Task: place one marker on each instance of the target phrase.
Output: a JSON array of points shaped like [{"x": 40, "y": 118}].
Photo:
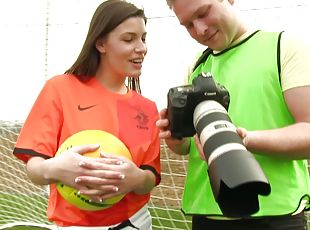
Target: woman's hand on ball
[
  {"x": 66, "y": 167},
  {"x": 102, "y": 185}
]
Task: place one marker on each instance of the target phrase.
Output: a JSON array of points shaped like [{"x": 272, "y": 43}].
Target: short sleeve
[
  {"x": 295, "y": 55},
  {"x": 40, "y": 132}
]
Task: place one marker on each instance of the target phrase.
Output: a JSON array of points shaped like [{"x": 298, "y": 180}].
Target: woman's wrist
[
  {"x": 145, "y": 181},
  {"x": 47, "y": 172}
]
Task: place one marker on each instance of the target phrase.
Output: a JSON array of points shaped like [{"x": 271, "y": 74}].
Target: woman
[{"x": 92, "y": 95}]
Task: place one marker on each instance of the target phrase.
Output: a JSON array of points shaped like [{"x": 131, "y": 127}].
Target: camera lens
[
  {"x": 215, "y": 130},
  {"x": 236, "y": 177}
]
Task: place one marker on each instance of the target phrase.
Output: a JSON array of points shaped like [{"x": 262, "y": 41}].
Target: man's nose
[{"x": 200, "y": 27}]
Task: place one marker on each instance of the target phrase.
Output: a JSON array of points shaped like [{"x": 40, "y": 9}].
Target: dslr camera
[
  {"x": 182, "y": 101},
  {"x": 236, "y": 178}
]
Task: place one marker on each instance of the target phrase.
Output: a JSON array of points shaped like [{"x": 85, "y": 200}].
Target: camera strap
[{"x": 203, "y": 57}]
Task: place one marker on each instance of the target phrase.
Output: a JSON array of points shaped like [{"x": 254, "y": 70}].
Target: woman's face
[{"x": 123, "y": 50}]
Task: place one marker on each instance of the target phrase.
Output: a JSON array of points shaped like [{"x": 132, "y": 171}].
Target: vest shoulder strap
[{"x": 204, "y": 56}]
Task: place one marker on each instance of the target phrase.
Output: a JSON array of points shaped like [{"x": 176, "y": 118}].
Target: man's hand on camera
[
  {"x": 178, "y": 146},
  {"x": 243, "y": 133},
  {"x": 162, "y": 124},
  {"x": 199, "y": 147}
]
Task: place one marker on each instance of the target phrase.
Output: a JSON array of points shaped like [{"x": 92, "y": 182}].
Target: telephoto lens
[{"x": 236, "y": 177}]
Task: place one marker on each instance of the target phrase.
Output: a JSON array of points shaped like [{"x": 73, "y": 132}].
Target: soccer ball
[{"x": 109, "y": 144}]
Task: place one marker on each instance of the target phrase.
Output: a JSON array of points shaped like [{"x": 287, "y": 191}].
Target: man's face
[{"x": 209, "y": 22}]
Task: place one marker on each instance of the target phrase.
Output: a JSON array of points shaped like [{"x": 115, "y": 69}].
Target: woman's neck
[{"x": 112, "y": 83}]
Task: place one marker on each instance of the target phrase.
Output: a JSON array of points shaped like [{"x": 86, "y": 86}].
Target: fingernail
[
  {"x": 79, "y": 193},
  {"x": 122, "y": 176},
  {"x": 81, "y": 163},
  {"x": 77, "y": 180},
  {"x": 116, "y": 189},
  {"x": 120, "y": 162}
]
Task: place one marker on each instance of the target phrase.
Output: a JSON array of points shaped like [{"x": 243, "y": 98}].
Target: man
[{"x": 267, "y": 76}]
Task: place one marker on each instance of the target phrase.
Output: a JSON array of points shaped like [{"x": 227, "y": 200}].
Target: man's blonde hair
[{"x": 170, "y": 2}]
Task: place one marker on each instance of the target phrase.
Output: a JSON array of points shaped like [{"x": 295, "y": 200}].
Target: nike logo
[{"x": 85, "y": 108}]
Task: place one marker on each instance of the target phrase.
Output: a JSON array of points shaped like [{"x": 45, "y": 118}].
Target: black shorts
[{"x": 296, "y": 222}]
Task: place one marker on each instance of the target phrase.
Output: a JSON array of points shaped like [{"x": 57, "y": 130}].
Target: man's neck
[{"x": 246, "y": 34}]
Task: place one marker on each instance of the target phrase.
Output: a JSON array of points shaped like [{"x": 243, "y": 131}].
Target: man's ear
[{"x": 100, "y": 45}]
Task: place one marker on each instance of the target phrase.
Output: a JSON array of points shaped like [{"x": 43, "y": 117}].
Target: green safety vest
[{"x": 250, "y": 72}]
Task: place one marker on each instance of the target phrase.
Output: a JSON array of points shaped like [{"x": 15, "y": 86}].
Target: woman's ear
[{"x": 100, "y": 45}]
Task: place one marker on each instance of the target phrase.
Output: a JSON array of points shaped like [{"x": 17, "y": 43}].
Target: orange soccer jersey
[{"x": 66, "y": 106}]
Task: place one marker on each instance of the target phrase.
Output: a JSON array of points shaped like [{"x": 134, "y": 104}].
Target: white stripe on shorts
[{"x": 141, "y": 220}]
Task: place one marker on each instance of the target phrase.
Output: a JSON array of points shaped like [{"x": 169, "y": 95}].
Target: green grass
[
  {"x": 17, "y": 208},
  {"x": 24, "y": 228},
  {"x": 163, "y": 219}
]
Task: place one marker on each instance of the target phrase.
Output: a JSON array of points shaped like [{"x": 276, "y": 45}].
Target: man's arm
[{"x": 292, "y": 141}]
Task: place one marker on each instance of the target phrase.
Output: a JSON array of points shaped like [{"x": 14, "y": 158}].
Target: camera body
[{"x": 182, "y": 101}]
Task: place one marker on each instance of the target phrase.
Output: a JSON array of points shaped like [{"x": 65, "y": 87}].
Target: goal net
[{"x": 23, "y": 203}]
